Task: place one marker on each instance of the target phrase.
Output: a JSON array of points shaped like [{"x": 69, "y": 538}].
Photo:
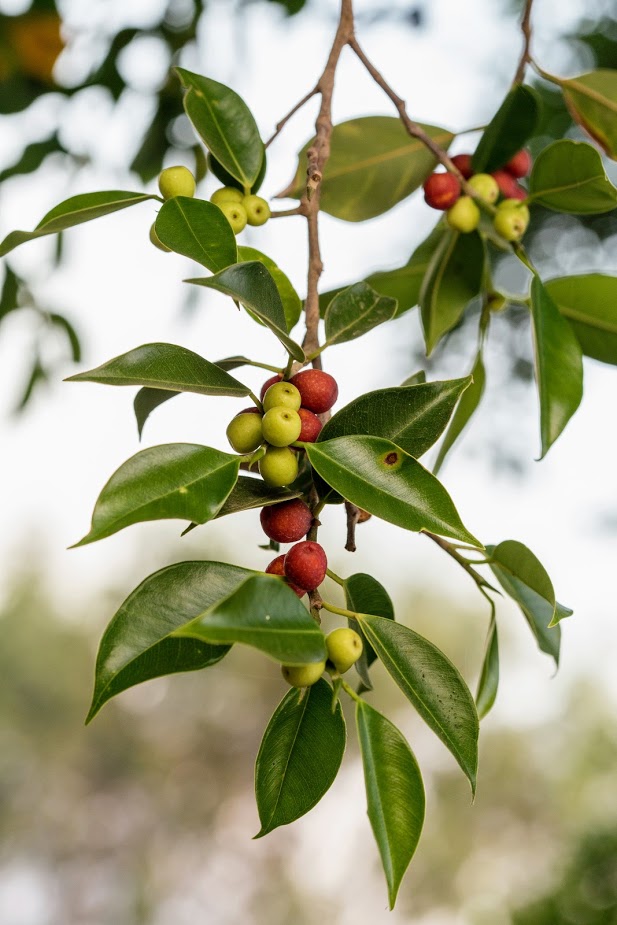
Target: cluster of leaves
[{"x": 186, "y": 616}]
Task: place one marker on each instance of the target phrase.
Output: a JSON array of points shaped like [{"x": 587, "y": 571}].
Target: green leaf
[
  {"x": 292, "y": 304},
  {"x": 167, "y": 367},
  {"x": 432, "y": 684},
  {"x": 74, "y": 211},
  {"x": 251, "y": 493},
  {"x": 69, "y": 332},
  {"x": 373, "y": 165},
  {"x": 226, "y": 178},
  {"x": 589, "y": 303},
  {"x": 146, "y": 401},
  {"x": 489, "y": 676},
  {"x": 299, "y": 756},
  {"x": 453, "y": 279},
  {"x": 469, "y": 401},
  {"x": 364, "y": 593},
  {"x": 512, "y": 125},
  {"x": 412, "y": 416},
  {"x": 354, "y": 312},
  {"x": 418, "y": 378},
  {"x": 524, "y": 578},
  {"x": 379, "y": 477},
  {"x": 175, "y": 480},
  {"x": 253, "y": 285},
  {"x": 9, "y": 295},
  {"x": 558, "y": 363},
  {"x": 137, "y": 645},
  {"x": 225, "y": 124},
  {"x": 592, "y": 101},
  {"x": 199, "y": 230},
  {"x": 394, "y": 793},
  {"x": 402, "y": 283},
  {"x": 266, "y": 614},
  {"x": 569, "y": 176}
]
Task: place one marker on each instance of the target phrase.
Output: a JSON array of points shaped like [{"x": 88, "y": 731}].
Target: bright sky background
[{"x": 122, "y": 292}]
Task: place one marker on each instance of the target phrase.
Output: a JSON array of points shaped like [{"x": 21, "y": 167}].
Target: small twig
[
  {"x": 449, "y": 548},
  {"x": 415, "y": 130},
  {"x": 281, "y": 125},
  {"x": 283, "y": 213},
  {"x": 353, "y": 516},
  {"x": 526, "y": 54}
]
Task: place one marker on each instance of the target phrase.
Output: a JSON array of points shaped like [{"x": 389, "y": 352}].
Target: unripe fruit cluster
[
  {"x": 240, "y": 209},
  {"x": 344, "y": 647},
  {"x": 443, "y": 191}
]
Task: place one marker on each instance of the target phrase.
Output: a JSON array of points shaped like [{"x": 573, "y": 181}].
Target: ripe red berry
[
  {"x": 277, "y": 567},
  {"x": 441, "y": 190},
  {"x": 311, "y": 426},
  {"x": 463, "y": 162},
  {"x": 508, "y": 187},
  {"x": 306, "y": 564},
  {"x": 286, "y": 522},
  {"x": 318, "y": 390},
  {"x": 268, "y": 383},
  {"x": 520, "y": 164}
]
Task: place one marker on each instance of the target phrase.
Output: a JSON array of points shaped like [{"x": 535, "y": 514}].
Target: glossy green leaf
[
  {"x": 489, "y": 675},
  {"x": 74, "y": 211},
  {"x": 199, "y": 230},
  {"x": 292, "y": 304},
  {"x": 9, "y": 295},
  {"x": 299, "y": 756},
  {"x": 589, "y": 303},
  {"x": 412, "y": 416},
  {"x": 364, "y": 593},
  {"x": 592, "y": 101},
  {"x": 167, "y": 367},
  {"x": 402, "y": 283},
  {"x": 521, "y": 574},
  {"x": 356, "y": 311},
  {"x": 175, "y": 480},
  {"x": 373, "y": 165},
  {"x": 251, "y": 493},
  {"x": 266, "y": 614},
  {"x": 453, "y": 279},
  {"x": 394, "y": 793},
  {"x": 512, "y": 125},
  {"x": 379, "y": 477},
  {"x": 253, "y": 285},
  {"x": 225, "y": 124},
  {"x": 146, "y": 401},
  {"x": 137, "y": 645},
  {"x": 569, "y": 176},
  {"x": 432, "y": 684},
  {"x": 468, "y": 403},
  {"x": 226, "y": 178},
  {"x": 558, "y": 364}
]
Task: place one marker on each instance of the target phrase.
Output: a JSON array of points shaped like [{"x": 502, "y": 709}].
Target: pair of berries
[
  {"x": 290, "y": 416},
  {"x": 344, "y": 647},
  {"x": 240, "y": 210},
  {"x": 303, "y": 567},
  {"x": 443, "y": 191}
]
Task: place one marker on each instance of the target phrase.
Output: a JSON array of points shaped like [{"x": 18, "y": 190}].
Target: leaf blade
[
  {"x": 197, "y": 229},
  {"x": 394, "y": 790},
  {"x": 299, "y": 756}
]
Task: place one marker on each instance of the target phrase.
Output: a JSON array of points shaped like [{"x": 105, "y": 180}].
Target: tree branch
[
  {"x": 450, "y": 549},
  {"x": 281, "y": 125},
  {"x": 526, "y": 54}
]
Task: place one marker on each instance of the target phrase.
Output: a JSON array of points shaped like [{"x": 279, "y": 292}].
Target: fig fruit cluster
[
  {"x": 443, "y": 191},
  {"x": 344, "y": 647},
  {"x": 239, "y": 209},
  {"x": 290, "y": 409}
]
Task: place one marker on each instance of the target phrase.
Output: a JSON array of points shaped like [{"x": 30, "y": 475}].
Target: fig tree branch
[{"x": 526, "y": 54}]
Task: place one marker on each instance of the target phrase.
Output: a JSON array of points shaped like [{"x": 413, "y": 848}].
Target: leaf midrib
[
  {"x": 595, "y": 95},
  {"x": 579, "y": 184},
  {"x": 383, "y": 158},
  {"x": 304, "y": 705},
  {"x": 358, "y": 319}
]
